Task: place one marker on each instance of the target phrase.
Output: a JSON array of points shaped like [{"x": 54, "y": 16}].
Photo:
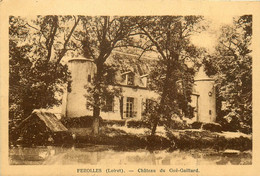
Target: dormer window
[
  {"x": 130, "y": 79},
  {"x": 144, "y": 80}
]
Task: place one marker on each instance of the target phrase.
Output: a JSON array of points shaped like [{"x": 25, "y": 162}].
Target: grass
[
  {"x": 189, "y": 139},
  {"x": 132, "y": 138}
]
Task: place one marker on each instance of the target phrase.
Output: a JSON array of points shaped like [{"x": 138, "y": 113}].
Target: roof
[
  {"x": 130, "y": 63},
  {"x": 202, "y": 76},
  {"x": 80, "y": 59},
  {"x": 50, "y": 120}
]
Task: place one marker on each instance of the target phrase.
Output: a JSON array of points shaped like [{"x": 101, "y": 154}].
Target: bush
[
  {"x": 113, "y": 122},
  {"x": 214, "y": 127},
  {"x": 196, "y": 125},
  {"x": 232, "y": 122},
  {"x": 137, "y": 124},
  {"x": 190, "y": 139},
  {"x": 246, "y": 129},
  {"x": 177, "y": 125},
  {"x": 79, "y": 122}
]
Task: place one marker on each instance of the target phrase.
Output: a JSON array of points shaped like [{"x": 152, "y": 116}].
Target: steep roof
[
  {"x": 201, "y": 75},
  {"x": 132, "y": 63},
  {"x": 50, "y": 120}
]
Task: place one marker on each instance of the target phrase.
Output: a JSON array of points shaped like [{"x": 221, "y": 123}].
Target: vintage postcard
[{"x": 129, "y": 88}]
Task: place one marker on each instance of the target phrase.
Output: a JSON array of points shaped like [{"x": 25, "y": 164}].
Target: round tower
[
  {"x": 82, "y": 72},
  {"x": 206, "y": 99}
]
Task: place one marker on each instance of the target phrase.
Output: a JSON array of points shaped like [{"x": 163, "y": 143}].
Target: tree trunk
[
  {"x": 162, "y": 102},
  {"x": 96, "y": 114},
  {"x": 96, "y": 108},
  {"x": 154, "y": 127}
]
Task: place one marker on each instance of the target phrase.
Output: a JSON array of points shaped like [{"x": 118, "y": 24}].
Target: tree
[
  {"x": 232, "y": 65},
  {"x": 172, "y": 78},
  {"x": 36, "y": 72},
  {"x": 99, "y": 36}
]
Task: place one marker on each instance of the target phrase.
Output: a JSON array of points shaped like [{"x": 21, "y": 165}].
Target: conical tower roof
[{"x": 202, "y": 76}]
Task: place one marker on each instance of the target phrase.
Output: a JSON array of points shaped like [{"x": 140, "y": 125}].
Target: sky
[{"x": 208, "y": 38}]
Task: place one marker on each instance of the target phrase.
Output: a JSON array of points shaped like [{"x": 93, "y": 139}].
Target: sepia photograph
[
  {"x": 162, "y": 94},
  {"x": 141, "y": 89}
]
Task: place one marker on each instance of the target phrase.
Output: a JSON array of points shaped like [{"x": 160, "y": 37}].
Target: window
[
  {"x": 109, "y": 104},
  {"x": 89, "y": 78},
  {"x": 148, "y": 105},
  {"x": 129, "y": 107},
  {"x": 130, "y": 80},
  {"x": 69, "y": 86},
  {"x": 144, "y": 80},
  {"x": 124, "y": 78}
]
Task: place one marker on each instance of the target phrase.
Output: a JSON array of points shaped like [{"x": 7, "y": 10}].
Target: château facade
[{"x": 131, "y": 104}]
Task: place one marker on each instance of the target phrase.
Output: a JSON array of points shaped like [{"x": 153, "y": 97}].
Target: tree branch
[
  {"x": 32, "y": 26},
  {"x": 154, "y": 42},
  {"x": 50, "y": 41},
  {"x": 64, "y": 50}
]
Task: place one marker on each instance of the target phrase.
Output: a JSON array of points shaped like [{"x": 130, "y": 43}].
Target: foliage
[
  {"x": 124, "y": 140},
  {"x": 36, "y": 73},
  {"x": 35, "y": 133},
  {"x": 232, "y": 65},
  {"x": 196, "y": 125},
  {"x": 177, "y": 125},
  {"x": 214, "y": 127},
  {"x": 192, "y": 139},
  {"x": 113, "y": 122},
  {"x": 107, "y": 89},
  {"x": 99, "y": 37},
  {"x": 137, "y": 124},
  {"x": 171, "y": 77},
  {"x": 79, "y": 122}
]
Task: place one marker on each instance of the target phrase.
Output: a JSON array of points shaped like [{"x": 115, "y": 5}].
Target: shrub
[
  {"x": 196, "y": 125},
  {"x": 214, "y": 127},
  {"x": 137, "y": 124},
  {"x": 178, "y": 125},
  {"x": 78, "y": 122},
  {"x": 113, "y": 122},
  {"x": 246, "y": 129},
  {"x": 232, "y": 122}
]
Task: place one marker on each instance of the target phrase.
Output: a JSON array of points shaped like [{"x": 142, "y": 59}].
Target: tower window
[
  {"x": 69, "y": 86},
  {"x": 209, "y": 112},
  {"x": 89, "y": 78}
]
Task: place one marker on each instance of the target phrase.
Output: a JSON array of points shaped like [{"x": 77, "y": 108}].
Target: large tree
[
  {"x": 36, "y": 48},
  {"x": 172, "y": 78},
  {"x": 232, "y": 65},
  {"x": 99, "y": 36}
]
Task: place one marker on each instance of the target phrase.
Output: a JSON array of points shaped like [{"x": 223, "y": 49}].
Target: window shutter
[
  {"x": 121, "y": 107},
  {"x": 124, "y": 107},
  {"x": 135, "y": 106},
  {"x": 143, "y": 106},
  {"x": 115, "y": 104}
]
